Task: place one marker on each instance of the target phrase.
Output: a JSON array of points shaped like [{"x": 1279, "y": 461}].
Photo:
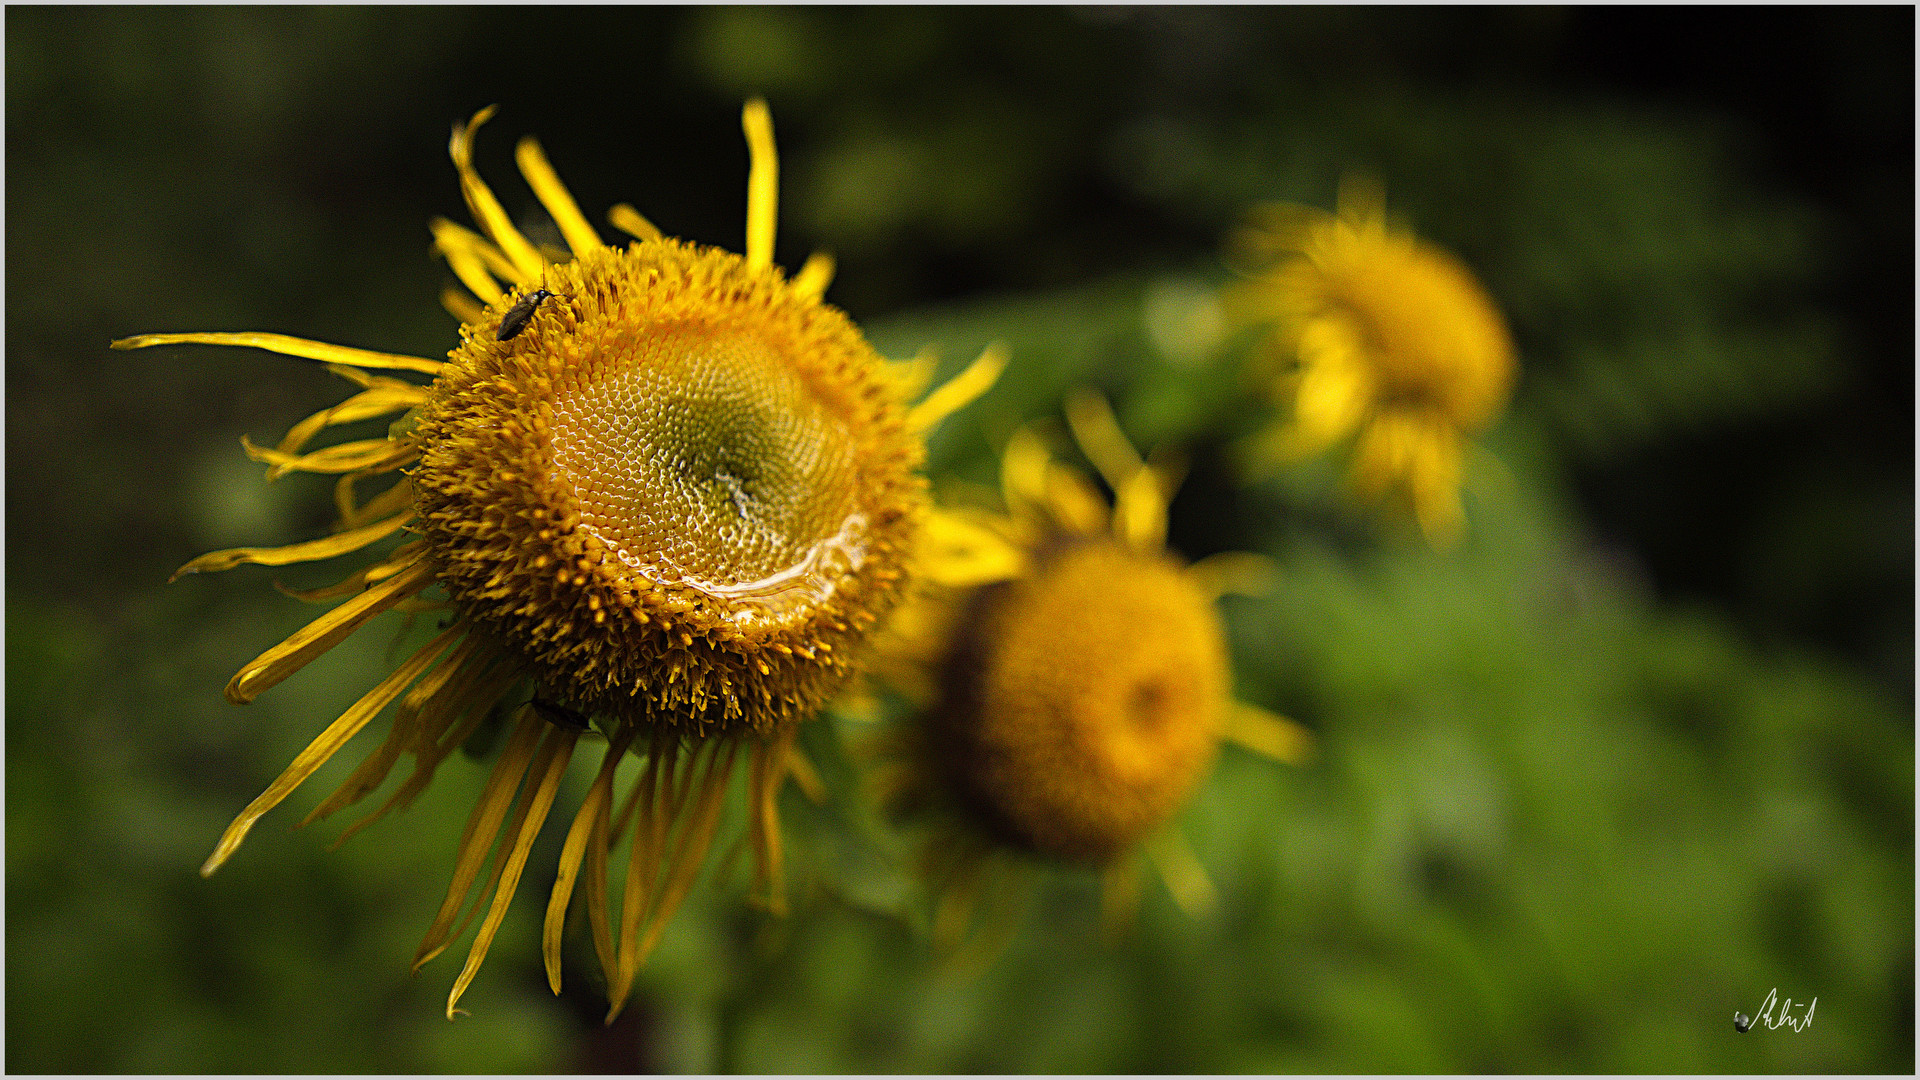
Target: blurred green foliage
[{"x": 1570, "y": 810}]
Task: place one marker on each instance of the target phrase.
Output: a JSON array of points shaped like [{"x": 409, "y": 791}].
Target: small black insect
[
  {"x": 1741, "y": 1023},
  {"x": 559, "y": 715},
  {"x": 517, "y": 316}
]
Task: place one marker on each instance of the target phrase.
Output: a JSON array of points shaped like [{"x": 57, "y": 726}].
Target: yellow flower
[
  {"x": 1377, "y": 336},
  {"x": 1071, "y": 680},
  {"x": 666, "y": 485}
]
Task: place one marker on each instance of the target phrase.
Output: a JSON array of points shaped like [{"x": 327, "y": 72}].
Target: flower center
[
  {"x": 1097, "y": 690},
  {"x": 698, "y": 458}
]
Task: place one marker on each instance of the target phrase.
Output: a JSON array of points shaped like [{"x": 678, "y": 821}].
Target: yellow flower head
[
  {"x": 665, "y": 484},
  {"x": 1072, "y": 676},
  {"x": 1380, "y": 337}
]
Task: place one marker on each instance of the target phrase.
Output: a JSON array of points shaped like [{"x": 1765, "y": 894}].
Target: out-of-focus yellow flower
[
  {"x": 1070, "y": 677},
  {"x": 1376, "y": 336},
  {"x": 663, "y": 486}
]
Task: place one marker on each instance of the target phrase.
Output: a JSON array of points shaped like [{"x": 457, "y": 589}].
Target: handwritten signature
[{"x": 1768, "y": 1017}]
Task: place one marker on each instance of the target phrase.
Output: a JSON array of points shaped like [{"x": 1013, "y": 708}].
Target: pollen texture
[
  {"x": 1086, "y": 701},
  {"x": 682, "y": 492}
]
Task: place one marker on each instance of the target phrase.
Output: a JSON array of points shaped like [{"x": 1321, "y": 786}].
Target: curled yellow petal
[
  {"x": 483, "y": 825},
  {"x": 976, "y": 379},
  {"x": 814, "y": 276},
  {"x": 375, "y": 401},
  {"x": 1140, "y": 512},
  {"x": 288, "y": 346},
  {"x": 961, "y": 553},
  {"x": 1242, "y": 573},
  {"x": 461, "y": 306},
  {"x": 473, "y": 260},
  {"x": 486, "y": 209},
  {"x": 361, "y": 455},
  {"x": 327, "y": 548}
]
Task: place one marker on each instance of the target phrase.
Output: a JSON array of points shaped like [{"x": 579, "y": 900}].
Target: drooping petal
[
  {"x": 322, "y": 748},
  {"x": 1186, "y": 879},
  {"x": 1269, "y": 733},
  {"x": 547, "y": 768},
  {"x": 270, "y": 667},
  {"x": 483, "y": 825},
  {"x": 591, "y": 815}
]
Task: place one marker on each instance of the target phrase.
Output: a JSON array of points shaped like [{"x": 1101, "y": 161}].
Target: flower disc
[
  {"x": 681, "y": 491},
  {"x": 1086, "y": 700}
]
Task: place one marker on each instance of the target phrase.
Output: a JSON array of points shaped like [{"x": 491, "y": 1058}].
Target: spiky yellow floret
[
  {"x": 666, "y": 486},
  {"x": 1084, "y": 701},
  {"x": 1379, "y": 337},
  {"x": 683, "y": 493},
  {"x": 1070, "y": 678}
]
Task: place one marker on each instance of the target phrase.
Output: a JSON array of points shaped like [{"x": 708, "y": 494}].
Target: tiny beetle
[
  {"x": 1741, "y": 1023},
  {"x": 517, "y": 316}
]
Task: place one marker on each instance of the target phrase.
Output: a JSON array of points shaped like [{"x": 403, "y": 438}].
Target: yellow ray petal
[
  {"x": 361, "y": 455},
  {"x": 375, "y": 401},
  {"x": 805, "y": 776},
  {"x": 555, "y": 197},
  {"x": 1242, "y": 573},
  {"x": 1140, "y": 513},
  {"x": 763, "y": 184},
  {"x": 763, "y": 795},
  {"x": 1269, "y": 733},
  {"x": 1023, "y": 475},
  {"x": 435, "y": 737},
  {"x": 337, "y": 544},
  {"x": 288, "y": 346},
  {"x": 591, "y": 814},
  {"x": 486, "y": 210},
  {"x": 461, "y": 306},
  {"x": 960, "y": 553},
  {"x": 323, "y": 633},
  {"x": 555, "y": 754},
  {"x": 1100, "y": 438},
  {"x": 352, "y": 515},
  {"x": 955, "y": 393},
  {"x": 1186, "y": 879},
  {"x": 1073, "y": 503},
  {"x": 397, "y": 560},
  {"x": 483, "y": 825},
  {"x": 473, "y": 260},
  {"x": 322, "y": 748},
  {"x": 628, "y": 220},
  {"x": 373, "y": 771},
  {"x": 815, "y": 276}
]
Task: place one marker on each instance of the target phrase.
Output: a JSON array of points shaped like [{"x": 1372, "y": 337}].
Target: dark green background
[{"x": 1637, "y": 753}]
